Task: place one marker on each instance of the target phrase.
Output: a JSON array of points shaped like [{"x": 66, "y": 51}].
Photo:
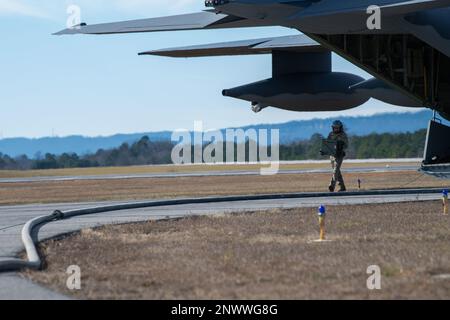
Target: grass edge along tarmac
[
  {"x": 261, "y": 255},
  {"x": 77, "y": 191},
  {"x": 161, "y": 169}
]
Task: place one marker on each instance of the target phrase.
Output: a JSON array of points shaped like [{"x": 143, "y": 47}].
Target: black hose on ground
[{"x": 34, "y": 260}]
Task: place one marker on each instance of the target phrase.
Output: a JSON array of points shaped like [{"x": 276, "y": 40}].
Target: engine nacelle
[
  {"x": 380, "y": 90},
  {"x": 327, "y": 91}
]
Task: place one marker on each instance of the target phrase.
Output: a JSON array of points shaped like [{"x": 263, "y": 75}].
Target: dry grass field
[
  {"x": 261, "y": 255},
  {"x": 160, "y": 188},
  {"x": 179, "y": 169}
]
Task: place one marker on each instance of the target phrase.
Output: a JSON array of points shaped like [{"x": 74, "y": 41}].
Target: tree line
[
  {"x": 373, "y": 146},
  {"x": 146, "y": 152}
]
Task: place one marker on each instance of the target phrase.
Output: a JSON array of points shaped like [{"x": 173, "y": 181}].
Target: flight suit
[{"x": 337, "y": 160}]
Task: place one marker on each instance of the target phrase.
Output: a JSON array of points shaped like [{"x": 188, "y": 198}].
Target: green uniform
[{"x": 337, "y": 160}]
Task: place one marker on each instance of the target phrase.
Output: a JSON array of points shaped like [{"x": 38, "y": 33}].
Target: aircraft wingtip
[
  {"x": 72, "y": 30},
  {"x": 66, "y": 32},
  {"x": 150, "y": 53}
]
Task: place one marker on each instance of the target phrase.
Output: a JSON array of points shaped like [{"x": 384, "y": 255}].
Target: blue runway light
[{"x": 322, "y": 211}]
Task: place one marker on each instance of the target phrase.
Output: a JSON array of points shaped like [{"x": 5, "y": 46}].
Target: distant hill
[
  {"x": 78, "y": 144},
  {"x": 289, "y": 132},
  {"x": 360, "y": 126}
]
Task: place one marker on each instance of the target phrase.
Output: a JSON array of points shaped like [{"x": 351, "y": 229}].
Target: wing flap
[
  {"x": 298, "y": 43},
  {"x": 193, "y": 21}
]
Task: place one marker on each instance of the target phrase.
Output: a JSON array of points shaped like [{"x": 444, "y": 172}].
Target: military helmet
[{"x": 338, "y": 124}]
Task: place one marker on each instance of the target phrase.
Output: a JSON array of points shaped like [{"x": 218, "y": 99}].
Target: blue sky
[{"x": 97, "y": 85}]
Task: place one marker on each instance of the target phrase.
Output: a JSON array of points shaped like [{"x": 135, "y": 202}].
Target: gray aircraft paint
[
  {"x": 408, "y": 55},
  {"x": 304, "y": 92},
  {"x": 297, "y": 43},
  {"x": 425, "y": 19},
  {"x": 432, "y": 27},
  {"x": 379, "y": 90}
]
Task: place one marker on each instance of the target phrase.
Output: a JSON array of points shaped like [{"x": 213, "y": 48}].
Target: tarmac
[
  {"x": 211, "y": 173},
  {"x": 12, "y": 219}
]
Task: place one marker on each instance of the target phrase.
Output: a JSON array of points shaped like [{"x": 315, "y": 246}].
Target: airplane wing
[
  {"x": 297, "y": 43},
  {"x": 339, "y": 9},
  {"x": 193, "y": 21},
  {"x": 411, "y": 6}
]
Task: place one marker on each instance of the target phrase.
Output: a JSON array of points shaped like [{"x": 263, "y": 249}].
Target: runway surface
[
  {"x": 212, "y": 173},
  {"x": 12, "y": 219}
]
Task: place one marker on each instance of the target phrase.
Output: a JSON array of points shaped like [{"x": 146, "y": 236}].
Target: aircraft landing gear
[{"x": 437, "y": 150}]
